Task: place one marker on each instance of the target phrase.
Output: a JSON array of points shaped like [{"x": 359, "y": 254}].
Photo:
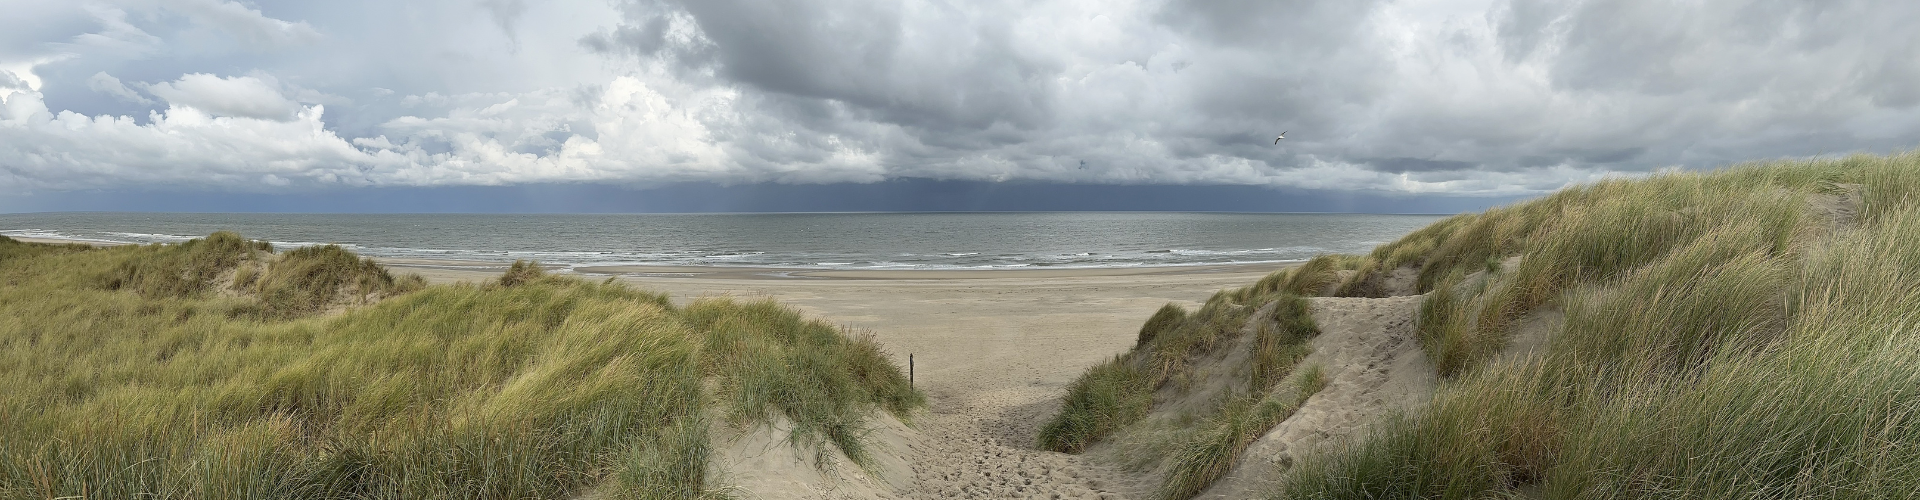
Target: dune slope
[{"x": 1743, "y": 333}]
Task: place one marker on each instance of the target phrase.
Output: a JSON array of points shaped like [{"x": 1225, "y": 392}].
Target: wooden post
[{"x": 909, "y": 370}]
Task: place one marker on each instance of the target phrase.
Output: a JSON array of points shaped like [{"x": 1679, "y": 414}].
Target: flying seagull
[{"x": 1283, "y": 135}]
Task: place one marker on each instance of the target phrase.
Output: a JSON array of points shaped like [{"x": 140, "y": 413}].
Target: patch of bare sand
[{"x": 764, "y": 463}]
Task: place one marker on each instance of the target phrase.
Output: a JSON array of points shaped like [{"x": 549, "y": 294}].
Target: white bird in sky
[{"x": 1283, "y": 135}]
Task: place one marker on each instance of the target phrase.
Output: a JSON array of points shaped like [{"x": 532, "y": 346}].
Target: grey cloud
[
  {"x": 646, "y": 39},
  {"x": 1403, "y": 165},
  {"x": 1610, "y": 155},
  {"x": 506, "y": 13},
  {"x": 1526, "y": 25},
  {"x": 106, "y": 84},
  {"x": 1731, "y": 48},
  {"x": 1710, "y": 82},
  {"x": 938, "y": 68},
  {"x": 10, "y": 81},
  {"x": 30, "y": 27},
  {"x": 1580, "y": 157},
  {"x": 946, "y": 83},
  {"x": 1280, "y": 26},
  {"x": 244, "y": 96},
  {"x": 246, "y": 24}
]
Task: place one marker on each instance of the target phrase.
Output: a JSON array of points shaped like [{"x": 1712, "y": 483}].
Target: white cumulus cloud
[{"x": 65, "y": 150}]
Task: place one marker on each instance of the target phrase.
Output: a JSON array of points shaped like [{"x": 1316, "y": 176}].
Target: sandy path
[{"x": 994, "y": 354}]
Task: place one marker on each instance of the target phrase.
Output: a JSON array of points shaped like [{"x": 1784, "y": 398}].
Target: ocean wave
[
  {"x": 53, "y": 235},
  {"x": 35, "y": 233},
  {"x": 153, "y": 236},
  {"x": 304, "y": 244}
]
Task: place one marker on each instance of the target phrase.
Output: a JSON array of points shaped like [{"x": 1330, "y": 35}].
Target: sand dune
[{"x": 994, "y": 350}]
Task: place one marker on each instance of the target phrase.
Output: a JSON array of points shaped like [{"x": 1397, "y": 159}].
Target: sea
[{"x": 972, "y": 240}]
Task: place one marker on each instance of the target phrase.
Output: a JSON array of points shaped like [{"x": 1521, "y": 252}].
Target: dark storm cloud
[
  {"x": 1282, "y": 26},
  {"x": 1404, "y": 165}
]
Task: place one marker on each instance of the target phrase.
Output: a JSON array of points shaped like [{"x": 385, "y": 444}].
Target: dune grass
[
  {"x": 1309, "y": 278},
  {"x": 1208, "y": 454},
  {"x": 1745, "y": 333},
  {"x": 1107, "y": 397},
  {"x": 1119, "y": 392},
  {"x": 132, "y": 373},
  {"x": 1158, "y": 374}
]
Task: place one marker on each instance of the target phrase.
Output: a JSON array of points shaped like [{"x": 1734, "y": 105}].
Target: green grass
[
  {"x": 1724, "y": 337},
  {"x": 130, "y": 374}
]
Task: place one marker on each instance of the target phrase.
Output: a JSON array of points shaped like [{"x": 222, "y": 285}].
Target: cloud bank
[{"x": 1497, "y": 97}]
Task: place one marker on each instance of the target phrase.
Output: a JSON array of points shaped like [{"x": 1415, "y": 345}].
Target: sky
[{"x": 733, "y": 105}]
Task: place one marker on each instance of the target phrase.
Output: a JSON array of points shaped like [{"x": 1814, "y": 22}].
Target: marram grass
[
  {"x": 217, "y": 369},
  {"x": 1746, "y": 333},
  {"x": 1115, "y": 396}
]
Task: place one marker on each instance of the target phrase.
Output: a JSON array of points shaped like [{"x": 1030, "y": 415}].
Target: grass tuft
[
  {"x": 521, "y": 272},
  {"x": 308, "y": 279},
  {"x": 178, "y": 271},
  {"x": 1169, "y": 317},
  {"x": 1107, "y": 397}
]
